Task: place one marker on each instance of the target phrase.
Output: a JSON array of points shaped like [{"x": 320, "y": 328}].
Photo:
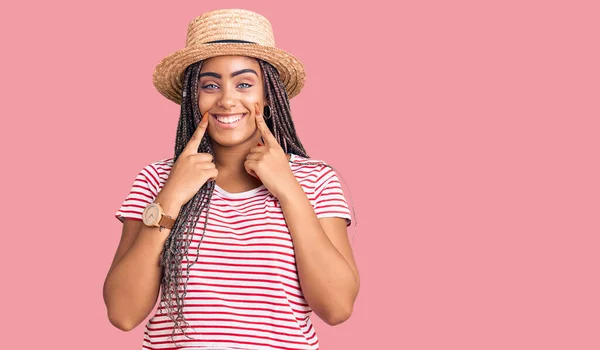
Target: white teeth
[{"x": 230, "y": 120}]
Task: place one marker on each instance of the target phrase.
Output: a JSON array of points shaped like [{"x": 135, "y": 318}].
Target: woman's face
[{"x": 229, "y": 88}]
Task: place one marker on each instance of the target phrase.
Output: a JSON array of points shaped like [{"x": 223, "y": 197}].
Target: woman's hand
[
  {"x": 191, "y": 170},
  {"x": 269, "y": 163}
]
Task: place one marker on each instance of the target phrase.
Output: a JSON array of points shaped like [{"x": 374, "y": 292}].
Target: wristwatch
[{"x": 154, "y": 216}]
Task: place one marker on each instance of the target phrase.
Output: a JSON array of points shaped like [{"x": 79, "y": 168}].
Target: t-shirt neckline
[{"x": 248, "y": 193}]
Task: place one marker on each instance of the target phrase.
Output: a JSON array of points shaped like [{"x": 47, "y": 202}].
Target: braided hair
[{"x": 178, "y": 242}]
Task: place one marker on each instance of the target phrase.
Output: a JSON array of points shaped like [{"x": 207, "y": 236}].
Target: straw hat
[{"x": 227, "y": 32}]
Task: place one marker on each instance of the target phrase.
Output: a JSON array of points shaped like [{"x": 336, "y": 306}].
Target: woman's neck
[{"x": 233, "y": 177}]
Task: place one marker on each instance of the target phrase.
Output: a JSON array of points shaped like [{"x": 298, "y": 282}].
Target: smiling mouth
[{"x": 230, "y": 120}]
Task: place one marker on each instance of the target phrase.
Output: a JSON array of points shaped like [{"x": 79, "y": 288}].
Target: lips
[{"x": 228, "y": 121}]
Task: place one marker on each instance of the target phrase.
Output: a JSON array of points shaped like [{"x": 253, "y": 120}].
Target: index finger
[
  {"x": 262, "y": 127},
  {"x": 194, "y": 142}
]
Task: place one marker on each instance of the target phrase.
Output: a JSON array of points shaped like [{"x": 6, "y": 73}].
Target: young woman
[{"x": 241, "y": 233}]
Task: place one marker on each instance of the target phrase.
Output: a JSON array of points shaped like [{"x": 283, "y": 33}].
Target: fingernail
[{"x": 259, "y": 144}]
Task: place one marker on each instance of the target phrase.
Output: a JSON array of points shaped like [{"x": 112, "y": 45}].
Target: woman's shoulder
[
  {"x": 309, "y": 167},
  {"x": 161, "y": 167},
  {"x": 300, "y": 161},
  {"x": 164, "y": 164}
]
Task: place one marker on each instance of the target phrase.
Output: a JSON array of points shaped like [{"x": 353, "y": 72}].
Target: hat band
[{"x": 230, "y": 41}]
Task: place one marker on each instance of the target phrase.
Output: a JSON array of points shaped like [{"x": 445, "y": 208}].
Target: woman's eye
[
  {"x": 244, "y": 85},
  {"x": 209, "y": 86}
]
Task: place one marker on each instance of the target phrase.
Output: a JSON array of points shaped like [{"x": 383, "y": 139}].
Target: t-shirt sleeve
[
  {"x": 142, "y": 192},
  {"x": 330, "y": 200}
]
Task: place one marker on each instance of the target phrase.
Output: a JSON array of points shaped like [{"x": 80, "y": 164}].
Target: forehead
[{"x": 228, "y": 64}]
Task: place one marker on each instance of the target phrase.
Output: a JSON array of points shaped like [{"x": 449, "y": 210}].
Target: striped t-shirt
[{"x": 243, "y": 292}]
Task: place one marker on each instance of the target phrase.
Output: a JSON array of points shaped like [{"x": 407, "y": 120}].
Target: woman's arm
[
  {"x": 328, "y": 275},
  {"x": 133, "y": 282},
  {"x": 326, "y": 269}
]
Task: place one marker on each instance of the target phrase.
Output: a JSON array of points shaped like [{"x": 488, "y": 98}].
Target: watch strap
[{"x": 166, "y": 221}]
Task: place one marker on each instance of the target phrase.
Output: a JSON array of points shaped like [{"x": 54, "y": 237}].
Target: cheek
[
  {"x": 256, "y": 95},
  {"x": 203, "y": 103}
]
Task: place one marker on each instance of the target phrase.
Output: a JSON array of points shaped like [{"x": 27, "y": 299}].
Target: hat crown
[
  {"x": 230, "y": 24},
  {"x": 227, "y": 33}
]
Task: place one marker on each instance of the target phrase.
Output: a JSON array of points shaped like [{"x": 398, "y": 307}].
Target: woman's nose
[{"x": 227, "y": 100}]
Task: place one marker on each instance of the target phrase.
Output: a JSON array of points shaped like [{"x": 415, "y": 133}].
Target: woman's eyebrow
[
  {"x": 218, "y": 76},
  {"x": 247, "y": 70}
]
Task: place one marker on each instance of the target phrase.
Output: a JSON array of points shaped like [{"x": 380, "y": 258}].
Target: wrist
[
  {"x": 292, "y": 195},
  {"x": 170, "y": 206}
]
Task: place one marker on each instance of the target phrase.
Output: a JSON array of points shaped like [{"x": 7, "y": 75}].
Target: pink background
[{"x": 467, "y": 133}]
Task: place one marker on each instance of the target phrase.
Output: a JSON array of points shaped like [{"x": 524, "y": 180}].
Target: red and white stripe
[{"x": 243, "y": 292}]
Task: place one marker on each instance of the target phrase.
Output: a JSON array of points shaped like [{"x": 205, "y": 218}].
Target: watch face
[{"x": 151, "y": 215}]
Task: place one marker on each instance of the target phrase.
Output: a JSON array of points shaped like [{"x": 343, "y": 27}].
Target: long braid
[
  {"x": 177, "y": 244},
  {"x": 281, "y": 117}
]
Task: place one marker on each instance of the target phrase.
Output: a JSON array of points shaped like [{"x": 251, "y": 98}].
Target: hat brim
[{"x": 168, "y": 74}]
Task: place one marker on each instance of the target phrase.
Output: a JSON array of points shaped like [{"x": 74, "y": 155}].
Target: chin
[{"x": 231, "y": 140}]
